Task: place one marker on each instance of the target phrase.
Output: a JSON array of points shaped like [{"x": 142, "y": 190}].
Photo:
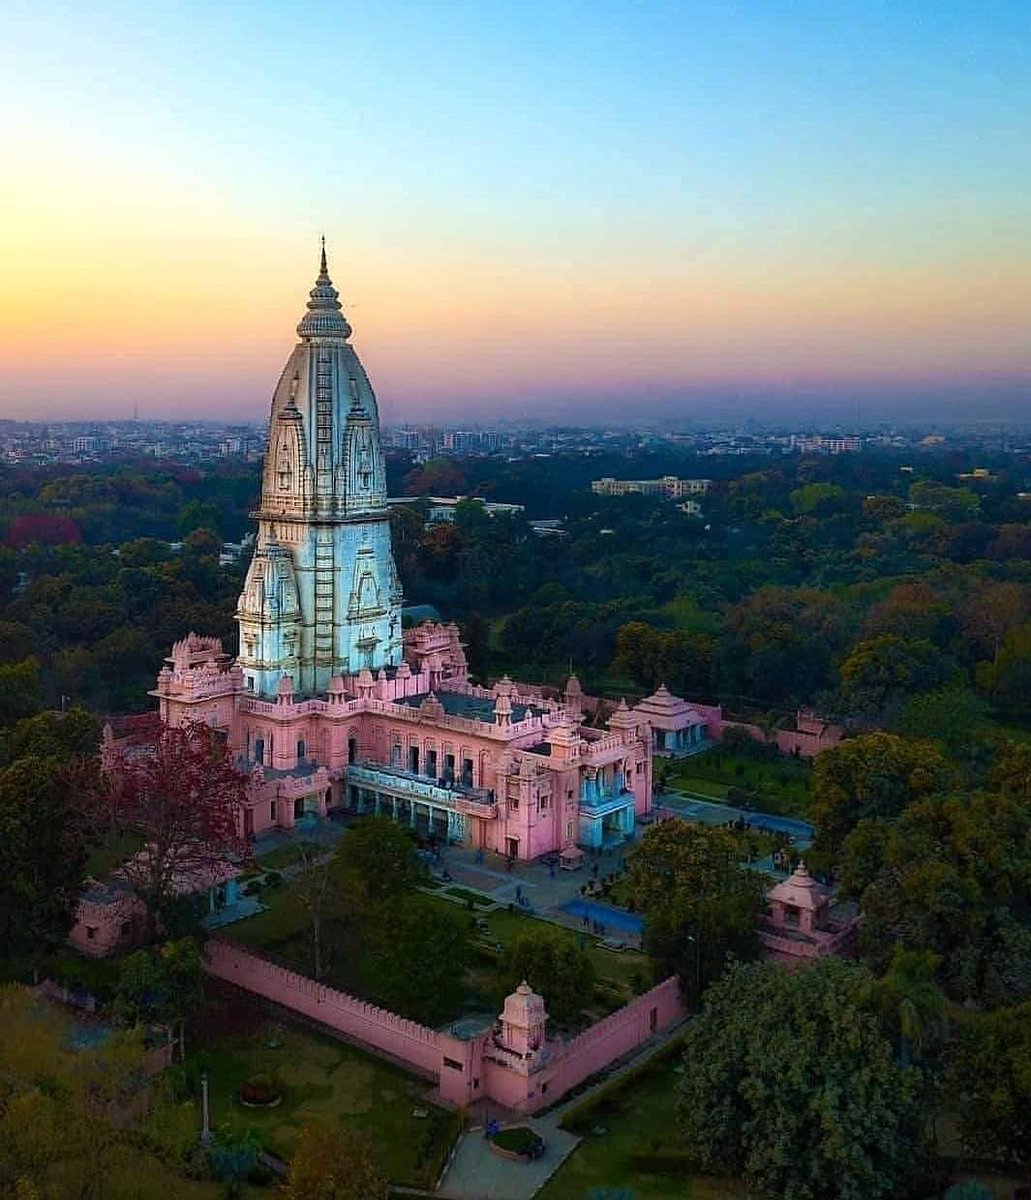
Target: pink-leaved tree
[{"x": 185, "y": 797}]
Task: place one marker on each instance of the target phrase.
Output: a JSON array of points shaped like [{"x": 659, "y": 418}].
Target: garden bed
[{"x": 516, "y": 1142}]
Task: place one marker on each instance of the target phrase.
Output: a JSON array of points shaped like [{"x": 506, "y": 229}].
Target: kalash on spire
[{"x": 322, "y": 596}]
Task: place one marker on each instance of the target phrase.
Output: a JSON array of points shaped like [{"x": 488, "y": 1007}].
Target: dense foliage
[
  {"x": 700, "y": 907},
  {"x": 791, "y": 1081}
]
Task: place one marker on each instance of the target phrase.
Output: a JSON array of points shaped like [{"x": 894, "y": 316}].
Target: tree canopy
[{"x": 791, "y": 1081}]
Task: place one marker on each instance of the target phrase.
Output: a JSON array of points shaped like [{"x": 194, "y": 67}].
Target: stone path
[
  {"x": 710, "y": 812},
  {"x": 476, "y": 1173}
]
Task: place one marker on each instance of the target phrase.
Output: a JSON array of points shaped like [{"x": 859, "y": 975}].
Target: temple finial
[{"x": 323, "y": 268}]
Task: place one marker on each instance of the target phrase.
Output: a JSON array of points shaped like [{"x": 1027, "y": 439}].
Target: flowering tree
[{"x": 186, "y": 798}]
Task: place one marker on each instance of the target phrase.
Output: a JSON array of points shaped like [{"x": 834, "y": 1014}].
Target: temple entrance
[
  {"x": 413, "y": 759},
  {"x": 352, "y": 750},
  {"x": 512, "y": 847}
]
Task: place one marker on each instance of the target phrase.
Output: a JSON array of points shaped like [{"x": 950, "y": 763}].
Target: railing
[{"x": 421, "y": 787}]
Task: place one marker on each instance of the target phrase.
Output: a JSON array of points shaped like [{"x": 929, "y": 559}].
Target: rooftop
[{"x": 472, "y": 708}]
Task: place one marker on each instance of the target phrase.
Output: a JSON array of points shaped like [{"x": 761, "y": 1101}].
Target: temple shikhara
[{"x": 328, "y": 705}]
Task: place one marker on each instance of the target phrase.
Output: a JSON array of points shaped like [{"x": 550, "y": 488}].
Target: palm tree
[{"x": 910, "y": 997}]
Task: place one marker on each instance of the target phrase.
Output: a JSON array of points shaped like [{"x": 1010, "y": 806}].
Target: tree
[
  {"x": 911, "y": 999},
  {"x": 790, "y": 1080},
  {"x": 882, "y": 671},
  {"x": 876, "y": 775},
  {"x": 43, "y": 845},
  {"x": 59, "y": 1108},
  {"x": 700, "y": 905},
  {"x": 333, "y": 894},
  {"x": 1008, "y": 679},
  {"x": 952, "y": 715},
  {"x": 75, "y": 734},
  {"x": 334, "y": 1163},
  {"x": 162, "y": 986},
  {"x": 990, "y": 1083},
  {"x": 554, "y": 965},
  {"x": 185, "y": 797},
  {"x": 384, "y": 857},
  {"x": 20, "y": 694},
  {"x": 414, "y": 954},
  {"x": 949, "y": 876}
]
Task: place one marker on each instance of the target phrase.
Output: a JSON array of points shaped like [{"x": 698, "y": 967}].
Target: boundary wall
[{"x": 465, "y": 1070}]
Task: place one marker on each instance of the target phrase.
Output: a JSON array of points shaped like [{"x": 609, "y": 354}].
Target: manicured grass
[
  {"x": 286, "y": 856},
  {"x": 282, "y": 931},
  {"x": 639, "y": 1119},
  {"x": 111, "y": 853},
  {"x": 282, "y": 920},
  {"x": 323, "y": 1078},
  {"x": 780, "y": 785},
  {"x": 704, "y": 787}
]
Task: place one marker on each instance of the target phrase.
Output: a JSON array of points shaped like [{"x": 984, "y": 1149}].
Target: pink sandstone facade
[
  {"x": 515, "y": 1064},
  {"x": 804, "y": 922},
  {"x": 502, "y": 769}
]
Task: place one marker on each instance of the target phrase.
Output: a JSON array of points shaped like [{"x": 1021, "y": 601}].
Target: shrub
[
  {"x": 260, "y": 1089},
  {"x": 519, "y": 1139},
  {"x": 273, "y": 879}
]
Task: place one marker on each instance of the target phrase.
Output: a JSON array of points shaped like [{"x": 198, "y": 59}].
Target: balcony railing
[{"x": 398, "y": 782}]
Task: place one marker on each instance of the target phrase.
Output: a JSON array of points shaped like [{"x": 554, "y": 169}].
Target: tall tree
[
  {"x": 790, "y": 1080},
  {"x": 186, "y": 798},
  {"x": 44, "y": 838},
  {"x": 555, "y": 966},
  {"x": 383, "y": 855},
  {"x": 991, "y": 1085},
  {"x": 911, "y": 1000},
  {"x": 876, "y": 775},
  {"x": 700, "y": 905}
]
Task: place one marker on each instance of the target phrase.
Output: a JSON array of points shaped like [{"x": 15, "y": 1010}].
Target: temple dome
[{"x": 324, "y": 317}]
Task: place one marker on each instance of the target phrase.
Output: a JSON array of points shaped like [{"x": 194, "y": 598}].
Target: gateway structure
[{"x": 327, "y": 705}]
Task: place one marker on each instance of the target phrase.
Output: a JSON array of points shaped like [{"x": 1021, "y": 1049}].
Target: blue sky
[{"x": 683, "y": 200}]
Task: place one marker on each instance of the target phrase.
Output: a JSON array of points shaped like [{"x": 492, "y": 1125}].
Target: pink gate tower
[{"x": 327, "y": 706}]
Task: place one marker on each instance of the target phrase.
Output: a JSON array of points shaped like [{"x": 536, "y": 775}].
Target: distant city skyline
[{"x": 539, "y": 211}]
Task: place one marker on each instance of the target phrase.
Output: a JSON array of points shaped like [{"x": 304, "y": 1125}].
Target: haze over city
[{"x": 532, "y": 210}]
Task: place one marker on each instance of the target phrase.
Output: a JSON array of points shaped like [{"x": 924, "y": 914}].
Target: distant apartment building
[
  {"x": 817, "y": 444},
  {"x": 669, "y": 486},
  {"x": 442, "y": 508}
]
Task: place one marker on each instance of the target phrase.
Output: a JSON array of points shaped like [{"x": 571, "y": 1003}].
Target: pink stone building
[
  {"x": 804, "y": 921},
  {"x": 327, "y": 705}
]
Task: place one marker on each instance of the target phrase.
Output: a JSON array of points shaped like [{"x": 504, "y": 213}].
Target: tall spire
[{"x": 324, "y": 318}]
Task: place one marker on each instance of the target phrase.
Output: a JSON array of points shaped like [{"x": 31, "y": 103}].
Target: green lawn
[
  {"x": 780, "y": 785},
  {"x": 282, "y": 931},
  {"x": 286, "y": 856},
  {"x": 637, "y": 1120},
  {"x": 111, "y": 853},
  {"x": 323, "y": 1078}
]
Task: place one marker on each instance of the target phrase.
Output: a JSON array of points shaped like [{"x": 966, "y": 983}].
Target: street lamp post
[{"x": 205, "y": 1133}]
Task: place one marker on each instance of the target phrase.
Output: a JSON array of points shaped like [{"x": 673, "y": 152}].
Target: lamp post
[
  {"x": 697, "y": 943},
  {"x": 205, "y": 1133}
]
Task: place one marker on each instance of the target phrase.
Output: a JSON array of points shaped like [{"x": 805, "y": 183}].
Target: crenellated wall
[{"x": 465, "y": 1070}]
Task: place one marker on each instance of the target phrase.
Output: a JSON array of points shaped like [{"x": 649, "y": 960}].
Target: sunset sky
[{"x": 548, "y": 209}]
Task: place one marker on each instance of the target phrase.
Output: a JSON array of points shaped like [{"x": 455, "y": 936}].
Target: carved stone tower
[{"x": 322, "y": 596}]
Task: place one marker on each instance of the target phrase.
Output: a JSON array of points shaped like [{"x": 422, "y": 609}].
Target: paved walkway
[
  {"x": 693, "y": 807},
  {"x": 476, "y": 1173}
]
